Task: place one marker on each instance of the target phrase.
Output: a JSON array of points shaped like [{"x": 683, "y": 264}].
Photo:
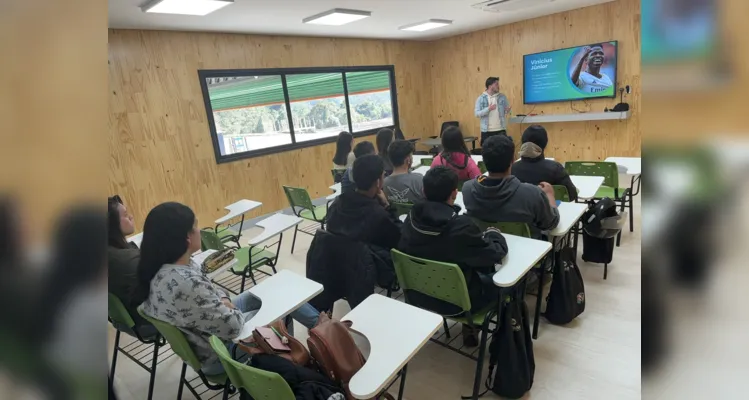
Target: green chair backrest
[
  {"x": 461, "y": 183},
  {"x": 118, "y": 313},
  {"x": 561, "y": 193},
  {"x": 437, "y": 279},
  {"x": 298, "y": 197},
  {"x": 176, "y": 339},
  {"x": 510, "y": 228},
  {"x": 482, "y": 167},
  {"x": 427, "y": 162},
  {"x": 209, "y": 240},
  {"x": 608, "y": 170},
  {"x": 402, "y": 208},
  {"x": 261, "y": 385}
]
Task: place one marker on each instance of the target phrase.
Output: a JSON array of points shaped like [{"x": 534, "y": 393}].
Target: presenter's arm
[
  {"x": 480, "y": 112},
  {"x": 576, "y": 73}
]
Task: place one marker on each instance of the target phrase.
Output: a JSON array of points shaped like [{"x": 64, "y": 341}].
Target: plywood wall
[
  {"x": 462, "y": 63},
  {"x": 160, "y": 146}
]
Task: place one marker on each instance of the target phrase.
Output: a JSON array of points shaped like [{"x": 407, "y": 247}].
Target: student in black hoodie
[
  {"x": 365, "y": 215},
  {"x": 435, "y": 231},
  {"x": 533, "y": 168}
]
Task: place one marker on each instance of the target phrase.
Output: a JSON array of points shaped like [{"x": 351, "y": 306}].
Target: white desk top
[
  {"x": 274, "y": 225},
  {"x": 421, "y": 170},
  {"x": 199, "y": 257},
  {"x": 337, "y": 189},
  {"x": 237, "y": 209},
  {"x": 137, "y": 239},
  {"x": 523, "y": 254},
  {"x": 632, "y": 164},
  {"x": 546, "y": 158},
  {"x": 569, "y": 213},
  {"x": 280, "y": 294},
  {"x": 395, "y": 331},
  {"x": 587, "y": 186}
]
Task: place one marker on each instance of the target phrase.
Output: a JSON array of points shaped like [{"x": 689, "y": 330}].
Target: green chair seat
[
  {"x": 320, "y": 213},
  {"x": 478, "y": 317},
  {"x": 260, "y": 257},
  {"x": 605, "y": 191}
]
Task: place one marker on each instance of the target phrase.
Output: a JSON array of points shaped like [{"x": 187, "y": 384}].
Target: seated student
[
  {"x": 533, "y": 168},
  {"x": 455, "y": 155},
  {"x": 344, "y": 157},
  {"x": 365, "y": 215},
  {"x": 436, "y": 232},
  {"x": 173, "y": 288},
  {"x": 383, "y": 139},
  {"x": 403, "y": 186},
  {"x": 361, "y": 149},
  {"x": 123, "y": 258},
  {"x": 501, "y": 197}
]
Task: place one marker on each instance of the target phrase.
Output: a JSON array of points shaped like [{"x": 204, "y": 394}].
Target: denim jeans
[{"x": 249, "y": 305}]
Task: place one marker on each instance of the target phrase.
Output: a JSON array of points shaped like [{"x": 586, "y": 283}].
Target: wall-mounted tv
[{"x": 575, "y": 73}]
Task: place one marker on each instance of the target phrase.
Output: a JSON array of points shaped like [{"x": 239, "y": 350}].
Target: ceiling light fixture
[
  {"x": 337, "y": 16},
  {"x": 426, "y": 25},
  {"x": 184, "y": 7}
]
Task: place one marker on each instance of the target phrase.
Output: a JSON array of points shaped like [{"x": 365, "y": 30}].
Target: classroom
[{"x": 329, "y": 199}]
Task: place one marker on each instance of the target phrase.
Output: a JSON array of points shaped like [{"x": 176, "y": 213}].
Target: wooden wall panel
[
  {"x": 462, "y": 63},
  {"x": 160, "y": 146}
]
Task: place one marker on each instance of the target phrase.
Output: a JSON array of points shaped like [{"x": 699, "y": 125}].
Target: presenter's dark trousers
[{"x": 485, "y": 135}]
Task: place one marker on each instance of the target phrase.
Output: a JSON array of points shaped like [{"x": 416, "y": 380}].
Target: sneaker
[{"x": 470, "y": 336}]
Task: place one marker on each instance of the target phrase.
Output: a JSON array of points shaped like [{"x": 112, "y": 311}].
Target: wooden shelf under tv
[{"x": 576, "y": 117}]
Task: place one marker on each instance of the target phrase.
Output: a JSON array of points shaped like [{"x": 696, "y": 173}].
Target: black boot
[{"x": 470, "y": 336}]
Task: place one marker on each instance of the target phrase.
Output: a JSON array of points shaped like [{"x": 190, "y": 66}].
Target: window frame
[{"x": 203, "y": 74}]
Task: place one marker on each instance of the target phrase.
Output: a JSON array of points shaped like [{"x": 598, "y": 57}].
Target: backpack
[
  {"x": 335, "y": 352},
  {"x": 566, "y": 299},
  {"x": 512, "y": 345}
]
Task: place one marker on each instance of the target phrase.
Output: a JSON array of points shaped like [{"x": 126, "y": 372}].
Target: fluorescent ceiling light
[
  {"x": 184, "y": 7},
  {"x": 337, "y": 16},
  {"x": 426, "y": 25}
]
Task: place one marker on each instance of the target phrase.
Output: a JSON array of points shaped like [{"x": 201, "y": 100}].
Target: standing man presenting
[{"x": 492, "y": 107}]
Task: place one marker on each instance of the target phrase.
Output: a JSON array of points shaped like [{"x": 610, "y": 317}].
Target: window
[
  {"x": 258, "y": 112},
  {"x": 318, "y": 105},
  {"x": 369, "y": 97}
]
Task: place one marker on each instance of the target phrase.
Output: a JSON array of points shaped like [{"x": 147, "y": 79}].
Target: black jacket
[
  {"x": 346, "y": 268},
  {"x": 123, "y": 277},
  {"x": 539, "y": 169},
  {"x": 436, "y": 232},
  {"x": 363, "y": 219}
]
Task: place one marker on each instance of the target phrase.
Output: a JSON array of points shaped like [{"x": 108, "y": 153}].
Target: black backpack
[
  {"x": 566, "y": 298},
  {"x": 512, "y": 345}
]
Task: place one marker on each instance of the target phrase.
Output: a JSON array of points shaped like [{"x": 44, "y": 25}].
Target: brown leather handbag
[
  {"x": 335, "y": 352},
  {"x": 298, "y": 354}
]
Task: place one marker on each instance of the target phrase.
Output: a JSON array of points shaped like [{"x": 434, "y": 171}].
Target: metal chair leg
[
  {"x": 181, "y": 381},
  {"x": 226, "y": 390},
  {"x": 605, "y": 270},
  {"x": 116, "y": 350},
  {"x": 252, "y": 276},
  {"x": 241, "y": 286},
  {"x": 539, "y": 293},
  {"x": 631, "y": 214},
  {"x": 153, "y": 369},
  {"x": 293, "y": 242},
  {"x": 447, "y": 330},
  {"x": 404, "y": 371},
  {"x": 480, "y": 361}
]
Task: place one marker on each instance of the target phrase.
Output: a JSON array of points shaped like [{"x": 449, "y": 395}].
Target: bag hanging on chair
[
  {"x": 335, "y": 352},
  {"x": 512, "y": 345},
  {"x": 566, "y": 298}
]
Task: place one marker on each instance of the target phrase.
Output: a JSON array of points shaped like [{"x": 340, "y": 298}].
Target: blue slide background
[{"x": 553, "y": 82}]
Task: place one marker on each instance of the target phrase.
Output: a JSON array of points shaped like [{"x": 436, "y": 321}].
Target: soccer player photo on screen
[{"x": 589, "y": 71}]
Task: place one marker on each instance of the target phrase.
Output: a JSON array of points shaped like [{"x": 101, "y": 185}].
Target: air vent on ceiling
[{"x": 508, "y": 5}]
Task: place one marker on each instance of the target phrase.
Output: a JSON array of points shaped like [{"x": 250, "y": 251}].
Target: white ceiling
[{"x": 284, "y": 17}]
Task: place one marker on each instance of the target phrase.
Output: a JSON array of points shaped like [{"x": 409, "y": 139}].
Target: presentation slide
[{"x": 576, "y": 73}]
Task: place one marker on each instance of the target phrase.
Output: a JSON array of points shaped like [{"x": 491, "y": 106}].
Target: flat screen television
[{"x": 575, "y": 73}]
